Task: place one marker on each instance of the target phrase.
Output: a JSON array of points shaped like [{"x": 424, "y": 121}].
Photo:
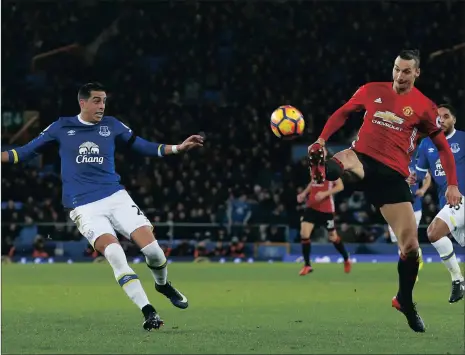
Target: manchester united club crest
[{"x": 408, "y": 111}]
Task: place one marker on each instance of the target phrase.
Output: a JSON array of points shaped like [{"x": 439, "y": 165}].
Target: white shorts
[
  {"x": 454, "y": 218},
  {"x": 417, "y": 219},
  {"x": 116, "y": 212}
]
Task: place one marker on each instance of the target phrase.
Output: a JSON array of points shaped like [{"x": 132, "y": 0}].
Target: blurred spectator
[
  {"x": 39, "y": 248},
  {"x": 219, "y": 250},
  {"x": 236, "y": 249}
]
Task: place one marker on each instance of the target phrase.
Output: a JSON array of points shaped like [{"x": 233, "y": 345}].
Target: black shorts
[
  {"x": 381, "y": 184},
  {"x": 318, "y": 218}
]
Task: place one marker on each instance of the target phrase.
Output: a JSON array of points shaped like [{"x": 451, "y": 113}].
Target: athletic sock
[
  {"x": 407, "y": 268},
  {"x": 445, "y": 250},
  {"x": 306, "y": 249}
]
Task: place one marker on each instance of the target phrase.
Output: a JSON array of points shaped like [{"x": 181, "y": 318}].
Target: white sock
[
  {"x": 156, "y": 261},
  {"x": 446, "y": 252},
  {"x": 126, "y": 276}
]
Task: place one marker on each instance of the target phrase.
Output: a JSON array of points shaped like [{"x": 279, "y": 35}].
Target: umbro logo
[
  {"x": 71, "y": 133},
  {"x": 430, "y": 150},
  {"x": 378, "y": 100}
]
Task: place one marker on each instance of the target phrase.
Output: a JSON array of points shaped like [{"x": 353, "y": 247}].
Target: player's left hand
[
  {"x": 453, "y": 196},
  {"x": 191, "y": 142},
  {"x": 420, "y": 193},
  {"x": 320, "y": 195}
]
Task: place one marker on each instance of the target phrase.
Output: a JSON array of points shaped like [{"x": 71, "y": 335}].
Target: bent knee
[
  {"x": 304, "y": 234},
  {"x": 347, "y": 157},
  {"x": 103, "y": 241},
  {"x": 408, "y": 241},
  {"x": 436, "y": 230},
  {"x": 333, "y": 237}
]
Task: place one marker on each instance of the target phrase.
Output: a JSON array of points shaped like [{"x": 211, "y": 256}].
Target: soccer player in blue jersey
[
  {"x": 450, "y": 220},
  {"x": 99, "y": 205},
  {"x": 417, "y": 194}
]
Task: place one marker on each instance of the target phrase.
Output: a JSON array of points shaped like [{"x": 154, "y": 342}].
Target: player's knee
[
  {"x": 433, "y": 232},
  {"x": 333, "y": 237},
  {"x": 304, "y": 234},
  {"x": 103, "y": 241},
  {"x": 154, "y": 255},
  {"x": 410, "y": 247}
]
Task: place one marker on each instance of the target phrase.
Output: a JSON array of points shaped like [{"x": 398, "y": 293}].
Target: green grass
[{"x": 246, "y": 308}]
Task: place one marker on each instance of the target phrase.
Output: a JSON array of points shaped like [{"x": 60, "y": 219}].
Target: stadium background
[{"x": 174, "y": 69}]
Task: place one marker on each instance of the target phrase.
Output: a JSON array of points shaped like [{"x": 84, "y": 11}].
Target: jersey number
[{"x": 139, "y": 212}]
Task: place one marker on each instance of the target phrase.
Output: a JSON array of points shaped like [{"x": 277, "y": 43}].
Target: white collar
[
  {"x": 84, "y": 122},
  {"x": 451, "y": 134}
]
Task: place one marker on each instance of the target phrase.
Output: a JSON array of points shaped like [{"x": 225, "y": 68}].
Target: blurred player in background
[
  {"x": 395, "y": 112},
  {"x": 319, "y": 211},
  {"x": 417, "y": 193},
  {"x": 99, "y": 205},
  {"x": 450, "y": 220}
]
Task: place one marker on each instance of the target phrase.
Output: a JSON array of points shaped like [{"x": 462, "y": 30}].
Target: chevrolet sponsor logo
[{"x": 387, "y": 116}]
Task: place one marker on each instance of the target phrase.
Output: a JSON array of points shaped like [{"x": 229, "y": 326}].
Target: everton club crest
[
  {"x": 455, "y": 148},
  {"x": 104, "y": 131}
]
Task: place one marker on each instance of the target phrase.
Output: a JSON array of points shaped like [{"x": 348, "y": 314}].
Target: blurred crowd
[{"x": 177, "y": 68}]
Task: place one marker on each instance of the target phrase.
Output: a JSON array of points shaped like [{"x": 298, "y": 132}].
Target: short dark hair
[
  {"x": 409, "y": 54},
  {"x": 450, "y": 108},
  {"x": 86, "y": 89}
]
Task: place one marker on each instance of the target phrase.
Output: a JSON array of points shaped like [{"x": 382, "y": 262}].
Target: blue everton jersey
[
  {"x": 87, "y": 154},
  {"x": 416, "y": 199},
  {"x": 428, "y": 159}
]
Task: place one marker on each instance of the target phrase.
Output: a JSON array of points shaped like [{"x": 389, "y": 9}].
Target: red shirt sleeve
[
  {"x": 446, "y": 157},
  {"x": 429, "y": 124},
  {"x": 338, "y": 118}
]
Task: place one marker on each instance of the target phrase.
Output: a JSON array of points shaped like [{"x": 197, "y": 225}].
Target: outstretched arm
[
  {"x": 29, "y": 150},
  {"x": 152, "y": 149},
  {"x": 338, "y": 118}
]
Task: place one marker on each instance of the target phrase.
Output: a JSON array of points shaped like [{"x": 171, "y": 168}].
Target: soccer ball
[{"x": 287, "y": 122}]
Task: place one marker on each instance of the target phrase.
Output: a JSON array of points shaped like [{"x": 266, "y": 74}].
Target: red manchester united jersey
[
  {"x": 392, "y": 123},
  {"x": 327, "y": 204}
]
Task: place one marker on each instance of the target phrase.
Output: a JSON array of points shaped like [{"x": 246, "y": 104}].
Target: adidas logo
[{"x": 378, "y": 100}]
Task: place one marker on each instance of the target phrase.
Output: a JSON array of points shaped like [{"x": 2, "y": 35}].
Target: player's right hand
[{"x": 453, "y": 195}]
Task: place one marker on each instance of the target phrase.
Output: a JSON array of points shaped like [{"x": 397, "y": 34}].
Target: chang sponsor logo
[
  {"x": 439, "y": 171},
  {"x": 88, "y": 153}
]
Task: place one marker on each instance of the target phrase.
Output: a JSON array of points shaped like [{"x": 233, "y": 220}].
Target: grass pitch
[{"x": 234, "y": 308}]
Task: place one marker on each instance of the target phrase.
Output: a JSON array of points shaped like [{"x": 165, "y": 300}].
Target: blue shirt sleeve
[
  {"x": 30, "y": 150},
  {"x": 138, "y": 144},
  {"x": 422, "y": 162}
]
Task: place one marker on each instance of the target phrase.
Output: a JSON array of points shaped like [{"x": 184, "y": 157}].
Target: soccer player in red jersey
[
  {"x": 319, "y": 211},
  {"x": 395, "y": 114}
]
